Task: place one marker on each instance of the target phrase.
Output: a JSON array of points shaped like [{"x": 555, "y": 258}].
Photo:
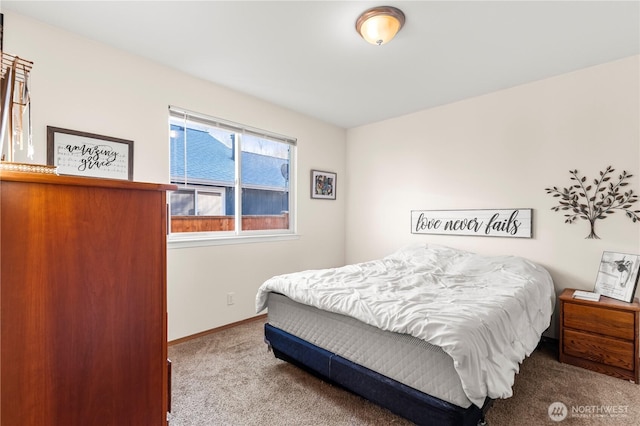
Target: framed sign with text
[
  {"x": 514, "y": 223},
  {"x": 87, "y": 154}
]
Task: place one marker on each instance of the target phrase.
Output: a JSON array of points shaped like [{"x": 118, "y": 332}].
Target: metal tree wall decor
[{"x": 595, "y": 201}]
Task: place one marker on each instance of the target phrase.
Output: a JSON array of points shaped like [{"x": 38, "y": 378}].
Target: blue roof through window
[{"x": 210, "y": 160}]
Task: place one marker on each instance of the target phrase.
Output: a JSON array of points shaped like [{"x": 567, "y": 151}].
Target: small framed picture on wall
[
  {"x": 618, "y": 275},
  {"x": 323, "y": 185}
]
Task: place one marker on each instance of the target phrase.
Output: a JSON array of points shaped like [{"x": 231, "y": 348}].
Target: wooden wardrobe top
[{"x": 53, "y": 179}]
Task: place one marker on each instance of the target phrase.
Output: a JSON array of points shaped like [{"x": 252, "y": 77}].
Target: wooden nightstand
[{"x": 600, "y": 336}]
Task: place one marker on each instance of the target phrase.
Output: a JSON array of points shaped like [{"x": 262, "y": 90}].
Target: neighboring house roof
[{"x": 210, "y": 161}]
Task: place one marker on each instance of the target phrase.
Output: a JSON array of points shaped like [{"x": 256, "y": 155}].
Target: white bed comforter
[{"x": 487, "y": 313}]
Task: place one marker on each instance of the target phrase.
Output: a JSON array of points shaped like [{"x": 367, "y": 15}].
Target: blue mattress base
[{"x": 400, "y": 399}]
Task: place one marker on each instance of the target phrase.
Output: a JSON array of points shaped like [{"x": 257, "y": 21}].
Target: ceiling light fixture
[{"x": 379, "y": 25}]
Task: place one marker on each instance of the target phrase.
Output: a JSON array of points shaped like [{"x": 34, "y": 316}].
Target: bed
[{"x": 432, "y": 333}]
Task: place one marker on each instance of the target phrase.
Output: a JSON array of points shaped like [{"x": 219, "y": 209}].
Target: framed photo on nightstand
[{"x": 618, "y": 275}]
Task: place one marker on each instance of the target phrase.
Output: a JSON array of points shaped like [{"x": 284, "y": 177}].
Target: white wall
[
  {"x": 495, "y": 151},
  {"x": 83, "y": 85},
  {"x": 501, "y": 150}
]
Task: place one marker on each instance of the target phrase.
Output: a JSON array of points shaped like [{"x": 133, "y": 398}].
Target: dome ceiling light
[{"x": 379, "y": 25}]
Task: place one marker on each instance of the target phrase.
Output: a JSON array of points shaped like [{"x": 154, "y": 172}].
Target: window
[
  {"x": 212, "y": 161},
  {"x": 190, "y": 201}
]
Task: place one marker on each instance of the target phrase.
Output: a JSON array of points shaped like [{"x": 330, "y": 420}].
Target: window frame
[{"x": 195, "y": 239}]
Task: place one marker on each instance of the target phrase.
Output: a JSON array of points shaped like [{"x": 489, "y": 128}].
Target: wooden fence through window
[{"x": 226, "y": 223}]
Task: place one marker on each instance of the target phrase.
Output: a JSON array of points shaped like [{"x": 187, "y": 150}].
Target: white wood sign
[
  {"x": 514, "y": 223},
  {"x": 88, "y": 154}
]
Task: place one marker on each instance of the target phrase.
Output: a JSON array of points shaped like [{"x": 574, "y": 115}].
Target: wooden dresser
[
  {"x": 82, "y": 301},
  {"x": 601, "y": 336}
]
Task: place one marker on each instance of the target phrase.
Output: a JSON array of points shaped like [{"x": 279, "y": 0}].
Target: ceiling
[{"x": 307, "y": 56}]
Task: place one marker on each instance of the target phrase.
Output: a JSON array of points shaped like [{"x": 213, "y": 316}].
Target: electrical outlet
[{"x": 230, "y": 298}]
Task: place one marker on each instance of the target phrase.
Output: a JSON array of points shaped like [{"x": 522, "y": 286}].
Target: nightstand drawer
[
  {"x": 614, "y": 352},
  {"x": 597, "y": 320}
]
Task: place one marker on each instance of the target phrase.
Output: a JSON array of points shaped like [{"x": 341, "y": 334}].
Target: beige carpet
[{"x": 229, "y": 379}]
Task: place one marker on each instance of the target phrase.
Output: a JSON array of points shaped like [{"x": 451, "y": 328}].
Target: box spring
[{"x": 395, "y": 371}]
